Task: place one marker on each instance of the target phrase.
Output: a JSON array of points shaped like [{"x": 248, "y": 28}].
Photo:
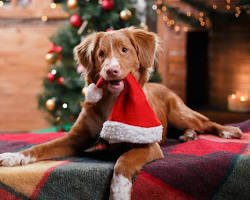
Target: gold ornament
[
  {"x": 125, "y": 14},
  {"x": 83, "y": 91},
  {"x": 51, "y": 58},
  {"x": 50, "y": 104},
  {"x": 44, "y": 18},
  {"x": 72, "y": 4},
  {"x": 58, "y": 119}
]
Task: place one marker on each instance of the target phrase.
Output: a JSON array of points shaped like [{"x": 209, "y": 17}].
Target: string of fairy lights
[{"x": 172, "y": 15}]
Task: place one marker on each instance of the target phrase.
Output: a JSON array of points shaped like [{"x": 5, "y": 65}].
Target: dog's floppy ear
[
  {"x": 84, "y": 51},
  {"x": 146, "y": 44}
]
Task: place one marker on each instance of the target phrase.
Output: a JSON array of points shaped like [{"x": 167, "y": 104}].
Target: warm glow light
[
  {"x": 237, "y": 15},
  {"x": 228, "y": 7},
  {"x": 228, "y": 1},
  {"x": 202, "y": 23},
  {"x": 158, "y": 11},
  {"x": 214, "y": 6},
  {"x": 1, "y": 3},
  {"x": 164, "y": 8},
  {"x": 201, "y": 14},
  {"x": 233, "y": 96},
  {"x": 242, "y": 98},
  {"x": 172, "y": 22},
  {"x": 44, "y": 18},
  {"x": 53, "y": 5},
  {"x": 188, "y": 13},
  {"x": 177, "y": 28},
  {"x": 159, "y": 2},
  {"x": 165, "y": 18},
  {"x": 185, "y": 29}
]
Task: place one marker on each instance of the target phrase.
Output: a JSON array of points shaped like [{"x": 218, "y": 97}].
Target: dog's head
[{"x": 113, "y": 55}]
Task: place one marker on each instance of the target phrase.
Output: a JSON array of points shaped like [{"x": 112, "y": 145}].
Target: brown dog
[{"x": 113, "y": 55}]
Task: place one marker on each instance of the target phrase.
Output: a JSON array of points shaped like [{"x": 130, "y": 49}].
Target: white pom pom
[{"x": 93, "y": 94}]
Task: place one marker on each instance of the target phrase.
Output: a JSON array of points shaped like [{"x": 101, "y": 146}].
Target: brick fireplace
[{"x": 205, "y": 66}]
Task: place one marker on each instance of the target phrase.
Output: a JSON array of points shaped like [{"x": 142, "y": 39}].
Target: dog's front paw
[
  {"x": 14, "y": 159},
  {"x": 230, "y": 132},
  {"x": 189, "y": 135}
]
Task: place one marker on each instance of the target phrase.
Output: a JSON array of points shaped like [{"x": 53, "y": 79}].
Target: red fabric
[
  {"x": 5, "y": 195},
  {"x": 132, "y": 107},
  {"x": 157, "y": 189},
  {"x": 30, "y": 137},
  {"x": 100, "y": 82},
  {"x": 204, "y": 147}
]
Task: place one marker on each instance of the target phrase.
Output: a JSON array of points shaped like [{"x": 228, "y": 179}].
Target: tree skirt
[{"x": 207, "y": 168}]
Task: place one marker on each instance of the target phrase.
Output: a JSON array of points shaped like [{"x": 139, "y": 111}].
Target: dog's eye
[
  {"x": 101, "y": 53},
  {"x": 124, "y": 50}
]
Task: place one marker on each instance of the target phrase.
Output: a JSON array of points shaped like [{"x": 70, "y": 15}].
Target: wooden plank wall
[{"x": 23, "y": 45}]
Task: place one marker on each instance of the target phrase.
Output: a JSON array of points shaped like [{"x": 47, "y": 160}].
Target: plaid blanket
[{"x": 207, "y": 168}]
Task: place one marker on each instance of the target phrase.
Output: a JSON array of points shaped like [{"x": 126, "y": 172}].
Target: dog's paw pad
[{"x": 14, "y": 159}]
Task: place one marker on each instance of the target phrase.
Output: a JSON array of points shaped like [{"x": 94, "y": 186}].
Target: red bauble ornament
[
  {"x": 60, "y": 81},
  {"x": 51, "y": 77},
  {"x": 75, "y": 20},
  {"x": 109, "y": 29},
  {"x": 108, "y": 4}
]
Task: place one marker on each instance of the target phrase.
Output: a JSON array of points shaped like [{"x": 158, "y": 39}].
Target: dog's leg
[
  {"x": 57, "y": 148},
  {"x": 182, "y": 117},
  {"x": 77, "y": 139},
  {"x": 127, "y": 165}
]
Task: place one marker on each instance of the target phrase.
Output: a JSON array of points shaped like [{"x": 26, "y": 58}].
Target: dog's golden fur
[{"x": 95, "y": 53}]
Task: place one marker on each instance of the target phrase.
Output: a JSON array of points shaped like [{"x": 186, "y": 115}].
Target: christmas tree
[{"x": 63, "y": 86}]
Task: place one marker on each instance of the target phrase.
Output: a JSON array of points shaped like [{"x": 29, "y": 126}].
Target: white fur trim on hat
[
  {"x": 116, "y": 132},
  {"x": 93, "y": 94}
]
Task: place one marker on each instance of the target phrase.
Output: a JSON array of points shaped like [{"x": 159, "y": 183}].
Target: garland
[{"x": 206, "y": 15}]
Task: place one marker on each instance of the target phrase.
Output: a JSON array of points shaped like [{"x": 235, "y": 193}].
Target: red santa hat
[{"x": 132, "y": 119}]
